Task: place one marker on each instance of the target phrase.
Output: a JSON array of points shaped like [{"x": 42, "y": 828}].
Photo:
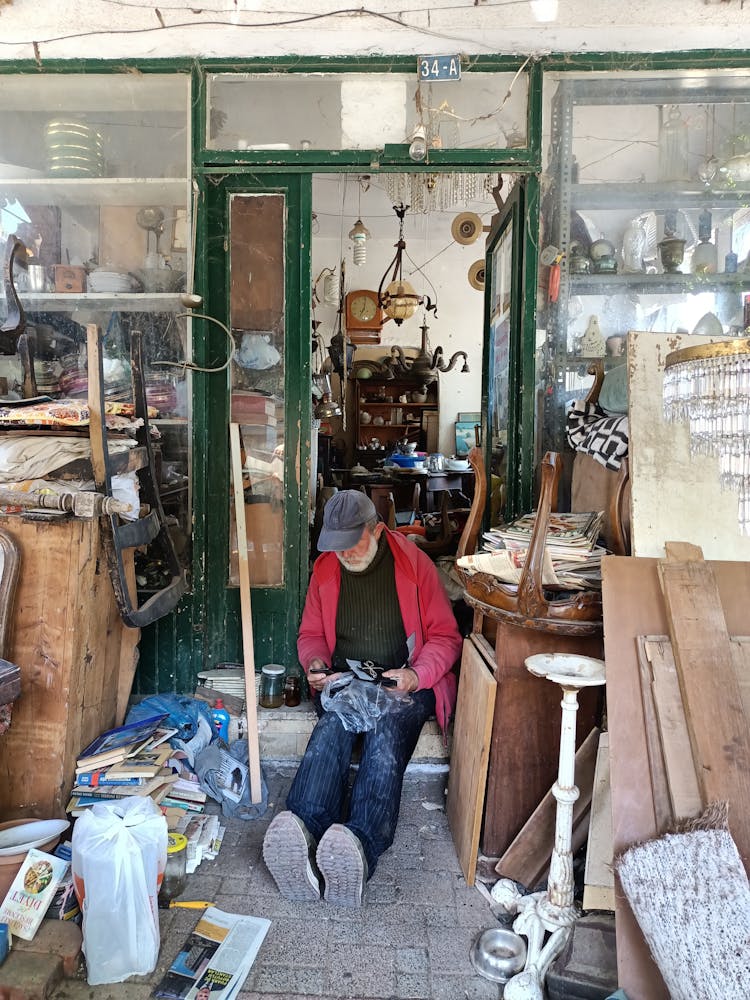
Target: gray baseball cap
[{"x": 344, "y": 518}]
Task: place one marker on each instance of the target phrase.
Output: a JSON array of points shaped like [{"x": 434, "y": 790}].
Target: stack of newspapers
[{"x": 572, "y": 557}]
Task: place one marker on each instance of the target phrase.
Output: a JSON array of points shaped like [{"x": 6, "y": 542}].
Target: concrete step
[
  {"x": 33, "y": 969},
  {"x": 284, "y": 732}
]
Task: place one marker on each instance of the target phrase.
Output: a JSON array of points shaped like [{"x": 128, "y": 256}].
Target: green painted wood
[{"x": 276, "y": 610}]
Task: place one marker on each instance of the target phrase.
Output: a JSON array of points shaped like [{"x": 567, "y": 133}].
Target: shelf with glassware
[
  {"x": 390, "y": 410},
  {"x": 646, "y": 216}
]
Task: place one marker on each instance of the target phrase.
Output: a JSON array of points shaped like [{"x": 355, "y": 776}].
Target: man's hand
[
  {"x": 318, "y": 674},
  {"x": 406, "y": 679}
]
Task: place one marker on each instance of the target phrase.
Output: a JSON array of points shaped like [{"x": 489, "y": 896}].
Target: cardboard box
[{"x": 69, "y": 279}]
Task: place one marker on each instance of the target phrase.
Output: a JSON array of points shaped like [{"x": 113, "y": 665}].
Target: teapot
[
  {"x": 365, "y": 417},
  {"x": 419, "y": 395}
]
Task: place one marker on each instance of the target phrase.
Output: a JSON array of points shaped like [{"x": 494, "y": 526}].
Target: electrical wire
[{"x": 190, "y": 365}]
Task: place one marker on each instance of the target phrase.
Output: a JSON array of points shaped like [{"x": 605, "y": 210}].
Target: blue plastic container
[{"x": 221, "y": 720}]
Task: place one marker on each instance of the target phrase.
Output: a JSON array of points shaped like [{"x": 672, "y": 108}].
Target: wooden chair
[{"x": 528, "y": 603}]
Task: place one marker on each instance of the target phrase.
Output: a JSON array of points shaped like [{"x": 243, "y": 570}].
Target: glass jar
[
  {"x": 175, "y": 872},
  {"x": 271, "y": 686}
]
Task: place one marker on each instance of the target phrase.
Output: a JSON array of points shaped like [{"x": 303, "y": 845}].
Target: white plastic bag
[{"x": 119, "y": 856}]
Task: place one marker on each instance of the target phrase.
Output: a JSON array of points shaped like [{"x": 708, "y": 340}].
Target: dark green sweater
[{"x": 368, "y": 618}]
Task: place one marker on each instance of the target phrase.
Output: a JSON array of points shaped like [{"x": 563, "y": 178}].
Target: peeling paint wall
[
  {"x": 675, "y": 495},
  {"x": 106, "y": 29}
]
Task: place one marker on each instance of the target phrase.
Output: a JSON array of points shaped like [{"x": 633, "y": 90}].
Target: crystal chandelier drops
[{"x": 709, "y": 386}]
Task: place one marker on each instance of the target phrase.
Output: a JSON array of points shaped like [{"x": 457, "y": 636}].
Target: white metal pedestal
[{"x": 554, "y": 911}]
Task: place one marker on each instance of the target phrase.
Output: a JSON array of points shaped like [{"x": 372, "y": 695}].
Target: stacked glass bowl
[{"x": 74, "y": 149}]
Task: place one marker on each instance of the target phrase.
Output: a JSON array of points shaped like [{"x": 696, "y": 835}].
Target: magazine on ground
[{"x": 217, "y": 956}]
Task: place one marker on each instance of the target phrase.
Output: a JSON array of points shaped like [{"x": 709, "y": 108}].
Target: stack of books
[
  {"x": 127, "y": 760},
  {"x": 572, "y": 557}
]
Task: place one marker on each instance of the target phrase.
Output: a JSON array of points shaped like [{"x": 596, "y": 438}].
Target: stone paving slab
[{"x": 410, "y": 940}]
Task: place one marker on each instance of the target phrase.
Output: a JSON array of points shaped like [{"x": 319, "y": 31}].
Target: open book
[{"x": 215, "y": 958}]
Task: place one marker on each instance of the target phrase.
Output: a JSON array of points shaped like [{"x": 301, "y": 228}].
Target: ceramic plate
[{"x": 23, "y": 837}]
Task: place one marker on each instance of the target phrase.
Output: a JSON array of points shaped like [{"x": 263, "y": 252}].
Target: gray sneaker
[
  {"x": 288, "y": 850},
  {"x": 343, "y": 865}
]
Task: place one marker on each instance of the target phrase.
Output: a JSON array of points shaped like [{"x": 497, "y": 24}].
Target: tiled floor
[{"x": 410, "y": 939}]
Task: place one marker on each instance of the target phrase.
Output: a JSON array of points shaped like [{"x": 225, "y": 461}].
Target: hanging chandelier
[
  {"x": 426, "y": 365},
  {"x": 709, "y": 386},
  {"x": 398, "y": 300}
]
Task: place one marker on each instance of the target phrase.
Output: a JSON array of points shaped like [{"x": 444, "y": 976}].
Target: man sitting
[{"x": 373, "y": 596}]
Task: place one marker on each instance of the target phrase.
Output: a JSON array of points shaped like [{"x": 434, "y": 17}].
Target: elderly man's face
[{"x": 357, "y": 559}]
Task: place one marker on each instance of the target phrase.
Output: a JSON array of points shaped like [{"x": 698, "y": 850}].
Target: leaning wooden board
[
  {"x": 633, "y": 606},
  {"x": 72, "y": 647},
  {"x": 472, "y": 732}
]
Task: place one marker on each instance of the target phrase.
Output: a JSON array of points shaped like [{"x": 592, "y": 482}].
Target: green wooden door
[
  {"x": 508, "y": 394},
  {"x": 256, "y": 263}
]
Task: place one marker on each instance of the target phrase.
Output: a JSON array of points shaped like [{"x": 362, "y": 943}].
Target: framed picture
[
  {"x": 465, "y": 436},
  {"x": 180, "y": 231}
]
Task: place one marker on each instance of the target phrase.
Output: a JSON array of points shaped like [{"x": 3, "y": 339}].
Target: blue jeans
[{"x": 319, "y": 788}]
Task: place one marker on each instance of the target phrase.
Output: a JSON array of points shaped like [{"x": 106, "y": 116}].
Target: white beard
[{"x": 360, "y": 564}]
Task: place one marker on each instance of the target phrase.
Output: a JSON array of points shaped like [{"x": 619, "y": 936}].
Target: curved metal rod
[{"x": 13, "y": 338}]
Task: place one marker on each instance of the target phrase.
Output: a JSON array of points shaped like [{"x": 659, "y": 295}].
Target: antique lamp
[
  {"x": 709, "y": 386},
  {"x": 426, "y": 365},
  {"x": 398, "y": 300}
]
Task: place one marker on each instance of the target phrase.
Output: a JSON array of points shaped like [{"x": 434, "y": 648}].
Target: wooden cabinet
[
  {"x": 77, "y": 661},
  {"x": 388, "y": 410}
]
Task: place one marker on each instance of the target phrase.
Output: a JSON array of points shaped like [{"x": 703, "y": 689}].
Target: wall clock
[{"x": 362, "y": 311}]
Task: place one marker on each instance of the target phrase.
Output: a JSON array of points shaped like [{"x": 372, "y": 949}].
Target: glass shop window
[
  {"x": 256, "y": 249},
  {"x": 302, "y": 111}
]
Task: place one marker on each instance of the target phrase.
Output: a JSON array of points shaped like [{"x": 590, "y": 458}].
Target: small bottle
[
  {"x": 705, "y": 259},
  {"x": 175, "y": 873},
  {"x": 292, "y": 693},
  {"x": 221, "y": 719}
]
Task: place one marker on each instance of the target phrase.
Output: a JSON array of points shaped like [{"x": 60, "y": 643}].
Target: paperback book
[
  {"x": 116, "y": 744},
  {"x": 31, "y": 892}
]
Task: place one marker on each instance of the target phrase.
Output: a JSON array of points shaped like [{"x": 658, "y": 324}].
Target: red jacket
[{"x": 425, "y": 610}]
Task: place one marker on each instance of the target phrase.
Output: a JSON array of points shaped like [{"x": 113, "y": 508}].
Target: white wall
[
  {"x": 101, "y": 30},
  {"x": 458, "y": 325}
]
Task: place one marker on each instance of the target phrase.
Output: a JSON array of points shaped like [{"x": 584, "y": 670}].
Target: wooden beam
[
  {"x": 711, "y": 695},
  {"x": 472, "y": 734},
  {"x": 248, "y": 651}
]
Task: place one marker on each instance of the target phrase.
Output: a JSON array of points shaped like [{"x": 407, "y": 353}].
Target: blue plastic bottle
[{"x": 221, "y": 719}]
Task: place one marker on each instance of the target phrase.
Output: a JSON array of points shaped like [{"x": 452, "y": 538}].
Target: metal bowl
[{"x": 498, "y": 954}]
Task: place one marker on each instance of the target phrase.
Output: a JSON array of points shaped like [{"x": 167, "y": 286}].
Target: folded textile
[
  {"x": 589, "y": 430},
  {"x": 36, "y": 456}
]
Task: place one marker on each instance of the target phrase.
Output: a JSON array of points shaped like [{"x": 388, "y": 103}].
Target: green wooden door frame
[
  {"x": 276, "y": 610},
  {"x": 521, "y": 212}
]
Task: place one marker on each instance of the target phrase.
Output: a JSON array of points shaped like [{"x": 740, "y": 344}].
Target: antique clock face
[{"x": 363, "y": 311}]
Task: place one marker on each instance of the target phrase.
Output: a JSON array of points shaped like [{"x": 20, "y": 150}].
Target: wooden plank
[
  {"x": 472, "y": 732},
  {"x": 599, "y": 879},
  {"x": 248, "y": 651},
  {"x": 672, "y": 730},
  {"x": 528, "y": 856},
  {"x": 710, "y": 693},
  {"x": 524, "y": 755},
  {"x": 663, "y": 812},
  {"x": 66, "y": 638},
  {"x": 633, "y": 606},
  {"x": 740, "y": 649}
]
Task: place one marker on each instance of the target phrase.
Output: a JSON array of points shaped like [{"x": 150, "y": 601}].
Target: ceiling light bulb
[
  {"x": 359, "y": 234},
  {"x": 418, "y": 147}
]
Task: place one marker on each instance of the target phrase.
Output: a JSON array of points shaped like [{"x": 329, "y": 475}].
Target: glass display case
[
  {"x": 94, "y": 179},
  {"x": 645, "y": 220}
]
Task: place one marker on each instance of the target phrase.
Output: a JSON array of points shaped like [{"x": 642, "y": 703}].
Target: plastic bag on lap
[{"x": 359, "y": 704}]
